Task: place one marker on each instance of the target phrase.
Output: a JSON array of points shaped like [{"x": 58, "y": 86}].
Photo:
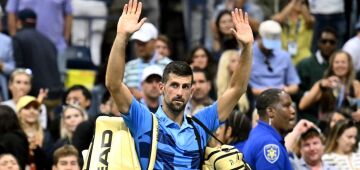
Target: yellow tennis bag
[{"x": 113, "y": 147}]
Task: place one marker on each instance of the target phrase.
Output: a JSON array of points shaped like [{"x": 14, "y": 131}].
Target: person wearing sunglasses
[{"x": 272, "y": 66}]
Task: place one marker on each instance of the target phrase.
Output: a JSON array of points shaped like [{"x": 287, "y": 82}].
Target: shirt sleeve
[
  {"x": 270, "y": 157},
  {"x": 11, "y": 6},
  {"x": 8, "y": 59},
  {"x": 292, "y": 77},
  {"x": 138, "y": 119},
  {"x": 68, "y": 7},
  {"x": 209, "y": 116}
]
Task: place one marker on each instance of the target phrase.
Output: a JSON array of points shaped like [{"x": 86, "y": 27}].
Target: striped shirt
[
  {"x": 343, "y": 162},
  {"x": 134, "y": 69}
]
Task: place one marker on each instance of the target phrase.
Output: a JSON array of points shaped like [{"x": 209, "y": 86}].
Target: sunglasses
[
  {"x": 267, "y": 62},
  {"x": 331, "y": 42}
]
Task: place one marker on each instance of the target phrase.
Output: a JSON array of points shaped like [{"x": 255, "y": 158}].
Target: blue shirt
[
  {"x": 6, "y": 54},
  {"x": 265, "y": 149},
  {"x": 177, "y": 147},
  {"x": 283, "y": 71}
]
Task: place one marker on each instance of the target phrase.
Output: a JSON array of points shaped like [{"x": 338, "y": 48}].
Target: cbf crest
[{"x": 271, "y": 152}]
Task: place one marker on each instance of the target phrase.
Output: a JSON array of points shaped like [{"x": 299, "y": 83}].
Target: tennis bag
[
  {"x": 113, "y": 147},
  {"x": 224, "y": 157}
]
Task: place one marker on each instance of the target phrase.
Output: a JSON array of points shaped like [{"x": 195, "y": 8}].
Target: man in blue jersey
[
  {"x": 265, "y": 147},
  {"x": 177, "y": 147}
]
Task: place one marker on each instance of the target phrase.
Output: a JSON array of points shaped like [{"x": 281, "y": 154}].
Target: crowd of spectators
[{"x": 309, "y": 49}]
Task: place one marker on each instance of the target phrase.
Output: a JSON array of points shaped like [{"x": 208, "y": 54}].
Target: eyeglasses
[
  {"x": 331, "y": 42},
  {"x": 267, "y": 62}
]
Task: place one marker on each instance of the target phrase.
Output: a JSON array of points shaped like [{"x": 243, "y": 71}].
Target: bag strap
[
  {"x": 198, "y": 140},
  {"x": 206, "y": 129},
  {"x": 154, "y": 141}
]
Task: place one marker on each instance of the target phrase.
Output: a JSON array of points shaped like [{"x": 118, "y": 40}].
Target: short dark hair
[
  {"x": 310, "y": 133},
  {"x": 330, "y": 30},
  {"x": 267, "y": 98},
  {"x": 83, "y": 89},
  {"x": 8, "y": 120},
  {"x": 199, "y": 70},
  {"x": 105, "y": 97},
  {"x": 179, "y": 68},
  {"x": 64, "y": 151}
]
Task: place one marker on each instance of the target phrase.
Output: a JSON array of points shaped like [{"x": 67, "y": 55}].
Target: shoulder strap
[
  {"x": 198, "y": 140},
  {"x": 154, "y": 140},
  {"x": 206, "y": 129}
]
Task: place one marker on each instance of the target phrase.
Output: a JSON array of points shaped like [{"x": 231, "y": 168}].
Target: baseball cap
[
  {"x": 270, "y": 32},
  {"x": 27, "y": 15},
  {"x": 146, "y": 32},
  {"x": 151, "y": 70},
  {"x": 26, "y": 100}
]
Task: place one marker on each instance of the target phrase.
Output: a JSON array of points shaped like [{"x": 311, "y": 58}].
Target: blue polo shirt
[
  {"x": 177, "y": 147},
  {"x": 265, "y": 149},
  {"x": 283, "y": 71}
]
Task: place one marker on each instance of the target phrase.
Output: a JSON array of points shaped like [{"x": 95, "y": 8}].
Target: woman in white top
[{"x": 341, "y": 146}]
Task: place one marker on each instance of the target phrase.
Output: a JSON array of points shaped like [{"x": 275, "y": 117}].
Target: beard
[{"x": 176, "y": 108}]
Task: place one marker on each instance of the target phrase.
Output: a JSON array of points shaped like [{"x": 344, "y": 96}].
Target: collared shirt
[
  {"x": 265, "y": 149},
  {"x": 320, "y": 59},
  {"x": 6, "y": 54},
  {"x": 177, "y": 147},
  {"x": 50, "y": 17},
  {"x": 134, "y": 69},
  {"x": 283, "y": 71},
  {"x": 300, "y": 164}
]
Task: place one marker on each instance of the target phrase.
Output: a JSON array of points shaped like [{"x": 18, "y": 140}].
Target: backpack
[
  {"x": 113, "y": 147},
  {"x": 223, "y": 157}
]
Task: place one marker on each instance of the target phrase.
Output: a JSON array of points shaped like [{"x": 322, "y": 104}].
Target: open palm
[
  {"x": 242, "y": 31},
  {"x": 129, "y": 20}
]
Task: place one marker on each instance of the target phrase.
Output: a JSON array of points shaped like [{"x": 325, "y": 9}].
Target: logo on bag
[
  {"x": 105, "y": 147},
  {"x": 271, "y": 153}
]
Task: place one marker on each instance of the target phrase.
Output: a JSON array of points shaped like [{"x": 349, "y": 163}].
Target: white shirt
[
  {"x": 326, "y": 6},
  {"x": 343, "y": 162},
  {"x": 352, "y": 46}
]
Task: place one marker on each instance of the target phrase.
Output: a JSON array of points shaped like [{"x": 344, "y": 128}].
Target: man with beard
[
  {"x": 177, "y": 147},
  {"x": 265, "y": 147},
  {"x": 150, "y": 83},
  {"x": 200, "y": 97}
]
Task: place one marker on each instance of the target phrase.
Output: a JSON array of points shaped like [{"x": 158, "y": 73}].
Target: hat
[
  {"x": 146, "y": 32},
  {"x": 24, "y": 101},
  {"x": 27, "y": 15},
  {"x": 151, "y": 70},
  {"x": 270, "y": 32}
]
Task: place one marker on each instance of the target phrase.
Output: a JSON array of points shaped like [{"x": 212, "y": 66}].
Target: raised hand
[
  {"x": 129, "y": 21},
  {"x": 42, "y": 95},
  {"x": 242, "y": 31}
]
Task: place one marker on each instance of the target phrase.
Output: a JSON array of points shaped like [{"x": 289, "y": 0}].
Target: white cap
[
  {"x": 146, "y": 32},
  {"x": 270, "y": 32},
  {"x": 151, "y": 70}
]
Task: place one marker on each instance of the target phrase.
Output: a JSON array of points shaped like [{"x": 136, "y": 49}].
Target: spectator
[
  {"x": 201, "y": 58},
  {"x": 71, "y": 117},
  {"x": 54, "y": 19},
  {"x": 297, "y": 23},
  {"x": 150, "y": 85},
  {"x": 272, "y": 67},
  {"x": 265, "y": 148},
  {"x": 19, "y": 86},
  {"x": 145, "y": 39},
  {"x": 201, "y": 92},
  {"x": 163, "y": 46},
  {"x": 89, "y": 31},
  {"x": 334, "y": 91},
  {"x": 7, "y": 63},
  {"x": 39, "y": 140},
  {"x": 9, "y": 162},
  {"x": 78, "y": 95},
  {"x": 235, "y": 131},
  {"x": 352, "y": 46},
  {"x": 35, "y": 51},
  {"x": 341, "y": 146},
  {"x": 13, "y": 140},
  {"x": 312, "y": 69},
  {"x": 66, "y": 158},
  {"x": 227, "y": 64},
  {"x": 311, "y": 144}
]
